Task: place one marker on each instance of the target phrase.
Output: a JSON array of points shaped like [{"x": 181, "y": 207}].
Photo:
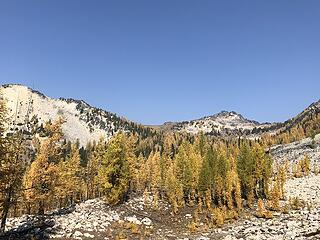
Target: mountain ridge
[
  {"x": 30, "y": 109},
  {"x": 92, "y": 123}
]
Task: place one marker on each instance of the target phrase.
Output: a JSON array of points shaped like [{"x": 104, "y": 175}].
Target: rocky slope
[
  {"x": 296, "y": 224},
  {"x": 295, "y": 151},
  {"x": 302, "y": 118},
  {"x": 28, "y": 109}
]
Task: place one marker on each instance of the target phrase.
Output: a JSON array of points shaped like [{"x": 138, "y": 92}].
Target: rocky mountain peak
[
  {"x": 227, "y": 115},
  {"x": 29, "y": 109}
]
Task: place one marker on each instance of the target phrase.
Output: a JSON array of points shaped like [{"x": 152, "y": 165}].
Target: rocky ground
[
  {"x": 93, "y": 219},
  {"x": 295, "y": 151},
  {"x": 296, "y": 224}
]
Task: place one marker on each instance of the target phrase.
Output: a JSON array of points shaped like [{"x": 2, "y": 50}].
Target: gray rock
[
  {"x": 146, "y": 221},
  {"x": 77, "y": 234},
  {"x": 88, "y": 235}
]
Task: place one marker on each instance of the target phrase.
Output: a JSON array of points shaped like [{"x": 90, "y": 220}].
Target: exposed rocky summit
[
  {"x": 223, "y": 123},
  {"x": 30, "y": 109}
]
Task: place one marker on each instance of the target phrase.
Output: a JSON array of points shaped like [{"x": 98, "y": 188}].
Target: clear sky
[{"x": 167, "y": 60}]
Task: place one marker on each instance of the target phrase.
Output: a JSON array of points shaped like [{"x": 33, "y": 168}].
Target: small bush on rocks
[{"x": 296, "y": 203}]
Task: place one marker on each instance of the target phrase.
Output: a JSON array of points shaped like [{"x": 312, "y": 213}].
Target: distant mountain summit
[{"x": 222, "y": 123}]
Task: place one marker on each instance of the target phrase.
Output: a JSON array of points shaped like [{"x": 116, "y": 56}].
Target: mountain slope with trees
[{"x": 29, "y": 110}]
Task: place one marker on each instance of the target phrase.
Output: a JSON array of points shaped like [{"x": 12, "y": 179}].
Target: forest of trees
[{"x": 218, "y": 176}]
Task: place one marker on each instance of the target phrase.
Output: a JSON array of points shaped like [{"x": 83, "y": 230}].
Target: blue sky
[{"x": 155, "y": 61}]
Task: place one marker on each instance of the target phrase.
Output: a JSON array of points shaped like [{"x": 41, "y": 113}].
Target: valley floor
[{"x": 93, "y": 219}]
